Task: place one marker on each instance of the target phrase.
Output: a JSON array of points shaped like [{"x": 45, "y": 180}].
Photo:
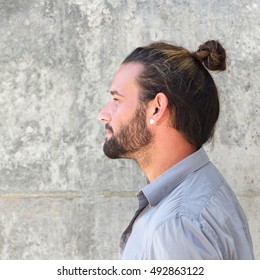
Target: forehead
[{"x": 126, "y": 78}]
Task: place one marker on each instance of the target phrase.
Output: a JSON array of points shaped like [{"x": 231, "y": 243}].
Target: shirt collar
[{"x": 170, "y": 179}]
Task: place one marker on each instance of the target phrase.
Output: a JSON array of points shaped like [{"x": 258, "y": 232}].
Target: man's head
[
  {"x": 171, "y": 77},
  {"x": 182, "y": 76}
]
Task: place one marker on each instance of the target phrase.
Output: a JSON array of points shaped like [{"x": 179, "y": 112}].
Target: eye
[{"x": 115, "y": 99}]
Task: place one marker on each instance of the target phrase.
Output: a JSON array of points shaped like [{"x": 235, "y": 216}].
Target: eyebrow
[{"x": 114, "y": 92}]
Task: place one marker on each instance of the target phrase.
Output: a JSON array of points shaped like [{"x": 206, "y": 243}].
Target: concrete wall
[{"x": 60, "y": 198}]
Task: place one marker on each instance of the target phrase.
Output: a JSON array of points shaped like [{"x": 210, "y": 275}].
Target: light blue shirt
[{"x": 189, "y": 212}]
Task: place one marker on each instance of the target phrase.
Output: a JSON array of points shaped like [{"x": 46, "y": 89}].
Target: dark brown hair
[{"x": 182, "y": 76}]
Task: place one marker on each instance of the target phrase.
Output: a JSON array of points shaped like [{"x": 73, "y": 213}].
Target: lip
[{"x": 109, "y": 133}]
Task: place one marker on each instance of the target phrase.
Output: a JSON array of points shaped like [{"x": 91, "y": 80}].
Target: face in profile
[{"x": 125, "y": 116}]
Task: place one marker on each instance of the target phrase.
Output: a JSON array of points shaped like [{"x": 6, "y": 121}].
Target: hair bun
[{"x": 212, "y": 55}]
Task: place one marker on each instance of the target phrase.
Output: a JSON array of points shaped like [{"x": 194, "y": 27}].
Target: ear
[{"x": 158, "y": 108}]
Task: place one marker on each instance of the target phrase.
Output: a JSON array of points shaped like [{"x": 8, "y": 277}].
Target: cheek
[
  {"x": 122, "y": 114},
  {"x": 119, "y": 113}
]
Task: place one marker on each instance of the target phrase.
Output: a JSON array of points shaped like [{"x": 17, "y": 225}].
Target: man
[{"x": 163, "y": 108}]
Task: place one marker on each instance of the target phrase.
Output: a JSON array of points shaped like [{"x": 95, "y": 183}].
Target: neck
[{"x": 163, "y": 153}]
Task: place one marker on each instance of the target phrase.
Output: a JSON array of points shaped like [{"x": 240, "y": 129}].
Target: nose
[{"x": 104, "y": 115}]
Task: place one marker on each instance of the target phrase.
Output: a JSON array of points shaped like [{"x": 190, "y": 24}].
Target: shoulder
[
  {"x": 202, "y": 218},
  {"x": 192, "y": 195}
]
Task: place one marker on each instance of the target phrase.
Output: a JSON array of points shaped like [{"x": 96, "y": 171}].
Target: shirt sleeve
[{"x": 182, "y": 238}]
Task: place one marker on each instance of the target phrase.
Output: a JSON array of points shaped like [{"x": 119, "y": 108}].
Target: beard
[{"x": 131, "y": 137}]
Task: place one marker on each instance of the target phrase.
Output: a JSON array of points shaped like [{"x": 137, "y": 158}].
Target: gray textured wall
[{"x": 60, "y": 198}]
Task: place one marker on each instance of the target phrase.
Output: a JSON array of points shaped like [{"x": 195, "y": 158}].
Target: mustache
[{"x": 108, "y": 127}]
